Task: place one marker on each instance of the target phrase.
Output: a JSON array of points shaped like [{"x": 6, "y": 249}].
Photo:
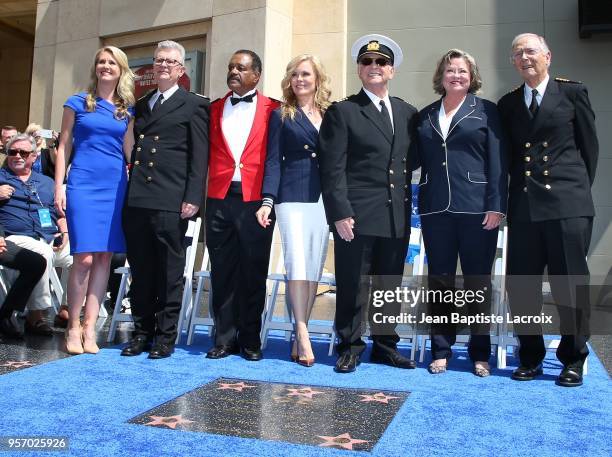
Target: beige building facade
[{"x": 68, "y": 32}]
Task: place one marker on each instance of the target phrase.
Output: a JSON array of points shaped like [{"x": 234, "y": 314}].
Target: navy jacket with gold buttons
[{"x": 467, "y": 171}]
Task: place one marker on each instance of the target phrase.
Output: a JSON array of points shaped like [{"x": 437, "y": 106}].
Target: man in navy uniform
[
  {"x": 168, "y": 169},
  {"x": 365, "y": 180},
  {"x": 553, "y": 158}
]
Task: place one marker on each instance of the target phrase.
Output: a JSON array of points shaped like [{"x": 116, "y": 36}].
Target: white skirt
[{"x": 305, "y": 235}]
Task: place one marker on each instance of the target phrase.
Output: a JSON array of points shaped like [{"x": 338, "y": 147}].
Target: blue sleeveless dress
[{"x": 97, "y": 179}]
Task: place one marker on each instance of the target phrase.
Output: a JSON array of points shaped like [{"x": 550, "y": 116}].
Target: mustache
[{"x": 233, "y": 77}]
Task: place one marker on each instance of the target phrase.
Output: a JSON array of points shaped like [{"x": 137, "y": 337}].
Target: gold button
[
  {"x": 525, "y": 189},
  {"x": 545, "y": 172},
  {"x": 138, "y": 149},
  {"x": 405, "y": 199},
  {"x": 527, "y": 173},
  {"x": 153, "y": 150},
  {"x": 313, "y": 155},
  {"x": 241, "y": 166},
  {"x": 389, "y": 201},
  {"x": 547, "y": 186},
  {"x": 392, "y": 186},
  {"x": 527, "y": 158},
  {"x": 443, "y": 164},
  {"x": 305, "y": 146},
  {"x": 443, "y": 145},
  {"x": 390, "y": 172},
  {"x": 545, "y": 144},
  {"x": 545, "y": 158},
  {"x": 156, "y": 137},
  {"x": 405, "y": 186},
  {"x": 404, "y": 171},
  {"x": 141, "y": 136},
  {"x": 149, "y": 179},
  {"x": 283, "y": 157},
  {"x": 150, "y": 164},
  {"x": 137, "y": 162},
  {"x": 528, "y": 145},
  {"x": 404, "y": 160}
]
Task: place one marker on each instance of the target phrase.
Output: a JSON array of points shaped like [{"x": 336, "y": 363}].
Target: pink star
[
  {"x": 378, "y": 397},
  {"x": 168, "y": 421},
  {"x": 298, "y": 401},
  {"x": 237, "y": 386},
  {"x": 344, "y": 441},
  {"x": 17, "y": 364},
  {"x": 305, "y": 392}
]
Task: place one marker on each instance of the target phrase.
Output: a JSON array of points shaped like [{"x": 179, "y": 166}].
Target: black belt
[{"x": 235, "y": 188}]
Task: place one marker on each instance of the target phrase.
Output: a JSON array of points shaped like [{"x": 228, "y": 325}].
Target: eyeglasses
[
  {"x": 530, "y": 52},
  {"x": 381, "y": 62},
  {"x": 22, "y": 152},
  {"x": 170, "y": 62}
]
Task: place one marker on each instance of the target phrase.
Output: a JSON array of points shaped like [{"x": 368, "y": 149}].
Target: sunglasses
[
  {"x": 381, "y": 62},
  {"x": 22, "y": 152}
]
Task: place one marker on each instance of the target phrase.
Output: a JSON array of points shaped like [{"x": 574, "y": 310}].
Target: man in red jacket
[{"x": 239, "y": 247}]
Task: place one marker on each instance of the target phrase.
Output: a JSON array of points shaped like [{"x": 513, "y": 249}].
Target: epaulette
[
  {"x": 341, "y": 100},
  {"x": 199, "y": 95},
  {"x": 565, "y": 80},
  {"x": 147, "y": 94}
]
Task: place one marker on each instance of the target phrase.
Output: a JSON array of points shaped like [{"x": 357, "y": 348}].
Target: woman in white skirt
[{"x": 291, "y": 184}]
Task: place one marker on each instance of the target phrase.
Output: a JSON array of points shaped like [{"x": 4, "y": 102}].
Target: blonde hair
[
  {"x": 31, "y": 129},
  {"x": 322, "y": 93},
  {"x": 475, "y": 79},
  {"x": 124, "y": 92}
]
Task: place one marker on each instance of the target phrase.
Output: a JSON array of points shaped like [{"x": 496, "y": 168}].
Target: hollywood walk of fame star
[
  {"x": 377, "y": 397},
  {"x": 237, "y": 386},
  {"x": 17, "y": 364},
  {"x": 344, "y": 441},
  {"x": 304, "y": 392},
  {"x": 296, "y": 401},
  {"x": 168, "y": 421}
]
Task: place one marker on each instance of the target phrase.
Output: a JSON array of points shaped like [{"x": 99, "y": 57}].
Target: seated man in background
[
  {"x": 8, "y": 131},
  {"x": 27, "y": 213}
]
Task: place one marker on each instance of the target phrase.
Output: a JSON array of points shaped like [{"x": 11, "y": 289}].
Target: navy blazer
[
  {"x": 467, "y": 173},
  {"x": 292, "y": 167}
]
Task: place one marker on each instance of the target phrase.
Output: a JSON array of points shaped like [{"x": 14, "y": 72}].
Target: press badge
[{"x": 45, "y": 217}]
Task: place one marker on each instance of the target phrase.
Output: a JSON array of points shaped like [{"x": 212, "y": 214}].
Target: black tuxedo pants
[
  {"x": 561, "y": 246},
  {"x": 156, "y": 254},
  {"x": 239, "y": 251},
  {"x": 449, "y": 236},
  {"x": 366, "y": 262}
]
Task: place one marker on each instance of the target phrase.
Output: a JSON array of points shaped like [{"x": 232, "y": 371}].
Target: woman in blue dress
[{"x": 97, "y": 127}]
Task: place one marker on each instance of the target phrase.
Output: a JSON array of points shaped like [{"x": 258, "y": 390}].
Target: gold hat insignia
[{"x": 373, "y": 46}]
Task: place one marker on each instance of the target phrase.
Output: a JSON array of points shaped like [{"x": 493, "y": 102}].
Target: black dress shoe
[
  {"x": 11, "y": 326},
  {"x": 525, "y": 373},
  {"x": 394, "y": 359},
  {"x": 570, "y": 376},
  {"x": 219, "y": 352},
  {"x": 347, "y": 363},
  {"x": 39, "y": 327},
  {"x": 252, "y": 355},
  {"x": 136, "y": 346},
  {"x": 161, "y": 351}
]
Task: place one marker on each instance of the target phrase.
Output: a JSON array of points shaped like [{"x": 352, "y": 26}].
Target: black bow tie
[{"x": 246, "y": 98}]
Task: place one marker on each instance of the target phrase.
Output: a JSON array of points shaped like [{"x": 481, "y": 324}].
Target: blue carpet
[{"x": 89, "y": 399}]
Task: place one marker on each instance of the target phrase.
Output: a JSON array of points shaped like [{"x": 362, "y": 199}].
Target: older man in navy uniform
[
  {"x": 554, "y": 152},
  {"x": 169, "y": 163},
  {"x": 364, "y": 142}
]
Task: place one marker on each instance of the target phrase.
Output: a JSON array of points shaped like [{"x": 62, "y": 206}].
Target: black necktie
[
  {"x": 157, "y": 103},
  {"x": 246, "y": 98},
  {"x": 533, "y": 106},
  {"x": 386, "y": 118}
]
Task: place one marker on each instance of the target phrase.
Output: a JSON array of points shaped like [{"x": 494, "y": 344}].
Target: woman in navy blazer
[
  {"x": 462, "y": 199},
  {"x": 291, "y": 183}
]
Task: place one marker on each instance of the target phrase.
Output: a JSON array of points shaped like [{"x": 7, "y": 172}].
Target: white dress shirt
[
  {"x": 236, "y": 126},
  {"x": 376, "y": 100},
  {"x": 541, "y": 88},
  {"x": 444, "y": 120},
  {"x": 167, "y": 94}
]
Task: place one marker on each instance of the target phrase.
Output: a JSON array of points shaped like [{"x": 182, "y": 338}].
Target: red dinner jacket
[{"x": 221, "y": 161}]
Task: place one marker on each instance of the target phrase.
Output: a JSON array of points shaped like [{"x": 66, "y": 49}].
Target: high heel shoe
[
  {"x": 305, "y": 362},
  {"x": 74, "y": 343},
  {"x": 294, "y": 355},
  {"x": 89, "y": 342}
]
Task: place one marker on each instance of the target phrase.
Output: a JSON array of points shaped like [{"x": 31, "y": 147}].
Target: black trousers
[
  {"x": 239, "y": 251},
  {"x": 366, "y": 262},
  {"x": 448, "y": 236},
  {"x": 156, "y": 254},
  {"x": 31, "y": 267},
  {"x": 561, "y": 246}
]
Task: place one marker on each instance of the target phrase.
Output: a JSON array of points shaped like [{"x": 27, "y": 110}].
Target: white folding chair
[
  {"x": 203, "y": 276},
  {"x": 192, "y": 234}
]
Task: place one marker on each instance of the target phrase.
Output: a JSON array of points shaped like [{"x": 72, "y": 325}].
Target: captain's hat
[{"x": 377, "y": 44}]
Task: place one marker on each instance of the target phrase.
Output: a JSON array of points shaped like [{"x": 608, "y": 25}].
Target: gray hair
[
  {"x": 169, "y": 44},
  {"x": 20, "y": 137},
  {"x": 541, "y": 39}
]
